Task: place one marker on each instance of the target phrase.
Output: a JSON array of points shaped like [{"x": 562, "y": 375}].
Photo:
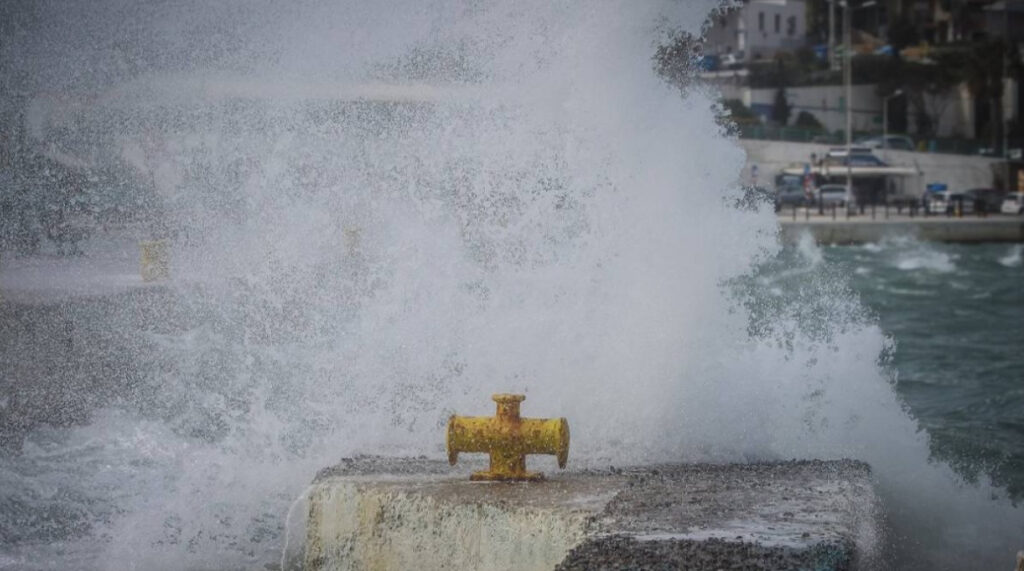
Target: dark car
[
  {"x": 985, "y": 199},
  {"x": 790, "y": 195}
]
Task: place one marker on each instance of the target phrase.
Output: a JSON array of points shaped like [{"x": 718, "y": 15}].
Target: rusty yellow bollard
[
  {"x": 508, "y": 439},
  {"x": 154, "y": 263}
]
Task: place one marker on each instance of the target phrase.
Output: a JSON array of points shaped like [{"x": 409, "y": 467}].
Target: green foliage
[
  {"x": 928, "y": 86},
  {"x": 807, "y": 121},
  {"x": 781, "y": 108},
  {"x": 817, "y": 20},
  {"x": 738, "y": 113},
  {"x": 984, "y": 68},
  {"x": 799, "y": 71},
  {"x": 902, "y": 33}
]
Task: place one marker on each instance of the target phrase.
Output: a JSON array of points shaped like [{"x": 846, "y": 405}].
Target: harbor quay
[
  {"x": 405, "y": 513},
  {"x": 837, "y": 228}
]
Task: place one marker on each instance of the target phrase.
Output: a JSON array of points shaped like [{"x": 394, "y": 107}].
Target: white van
[
  {"x": 945, "y": 202},
  {"x": 1013, "y": 203}
]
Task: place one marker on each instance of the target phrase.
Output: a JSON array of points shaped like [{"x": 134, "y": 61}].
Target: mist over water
[{"x": 381, "y": 213}]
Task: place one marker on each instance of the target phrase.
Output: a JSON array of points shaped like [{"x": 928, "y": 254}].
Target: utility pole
[
  {"x": 1002, "y": 87},
  {"x": 833, "y": 61},
  {"x": 885, "y": 121},
  {"x": 848, "y": 84}
]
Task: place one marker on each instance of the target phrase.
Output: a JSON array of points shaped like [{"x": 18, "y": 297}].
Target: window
[
  {"x": 760, "y": 21},
  {"x": 791, "y": 26},
  {"x": 778, "y": 24}
]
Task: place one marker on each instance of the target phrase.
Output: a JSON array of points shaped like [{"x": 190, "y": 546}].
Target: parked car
[
  {"x": 947, "y": 201},
  {"x": 829, "y": 194},
  {"x": 790, "y": 195},
  {"x": 859, "y": 157},
  {"x": 985, "y": 199},
  {"x": 895, "y": 142},
  {"x": 731, "y": 60},
  {"x": 1013, "y": 203}
]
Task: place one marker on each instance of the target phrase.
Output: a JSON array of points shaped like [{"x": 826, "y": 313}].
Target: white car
[
  {"x": 829, "y": 194},
  {"x": 1013, "y": 203},
  {"x": 947, "y": 201}
]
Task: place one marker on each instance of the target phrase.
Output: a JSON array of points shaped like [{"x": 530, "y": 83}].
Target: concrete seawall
[
  {"x": 862, "y": 228},
  {"x": 402, "y": 513}
]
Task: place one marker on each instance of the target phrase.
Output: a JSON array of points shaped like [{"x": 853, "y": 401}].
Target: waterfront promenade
[{"x": 838, "y": 228}]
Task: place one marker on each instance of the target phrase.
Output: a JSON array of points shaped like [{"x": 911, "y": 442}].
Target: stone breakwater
[
  {"x": 369, "y": 513},
  {"x": 865, "y": 228}
]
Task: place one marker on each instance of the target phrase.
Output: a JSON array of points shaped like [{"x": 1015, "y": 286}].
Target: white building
[{"x": 758, "y": 29}]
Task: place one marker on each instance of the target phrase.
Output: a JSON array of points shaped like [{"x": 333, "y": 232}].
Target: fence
[
  {"x": 881, "y": 210},
  {"x": 797, "y": 135}
]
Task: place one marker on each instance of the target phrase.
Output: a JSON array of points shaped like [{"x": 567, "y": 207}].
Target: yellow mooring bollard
[
  {"x": 508, "y": 439},
  {"x": 155, "y": 262}
]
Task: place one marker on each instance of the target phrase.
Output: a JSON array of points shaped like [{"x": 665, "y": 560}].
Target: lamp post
[
  {"x": 833, "y": 62},
  {"x": 1006, "y": 73},
  {"x": 885, "y": 121},
  {"x": 848, "y": 85}
]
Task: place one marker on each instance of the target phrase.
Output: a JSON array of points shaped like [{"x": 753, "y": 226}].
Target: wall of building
[
  {"x": 759, "y": 29},
  {"x": 826, "y": 103}
]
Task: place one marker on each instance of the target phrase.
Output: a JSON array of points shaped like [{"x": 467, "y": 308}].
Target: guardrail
[
  {"x": 875, "y": 211},
  {"x": 798, "y": 135}
]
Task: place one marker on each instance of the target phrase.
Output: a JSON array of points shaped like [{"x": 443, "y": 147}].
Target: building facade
[{"x": 758, "y": 30}]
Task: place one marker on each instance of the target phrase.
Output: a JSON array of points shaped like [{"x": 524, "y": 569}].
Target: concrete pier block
[{"x": 375, "y": 513}]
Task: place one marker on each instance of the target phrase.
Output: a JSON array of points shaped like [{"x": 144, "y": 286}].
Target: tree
[
  {"x": 929, "y": 88},
  {"x": 739, "y": 113},
  {"x": 902, "y": 33},
  {"x": 780, "y": 107},
  {"x": 808, "y": 121},
  {"x": 983, "y": 69},
  {"x": 817, "y": 21}
]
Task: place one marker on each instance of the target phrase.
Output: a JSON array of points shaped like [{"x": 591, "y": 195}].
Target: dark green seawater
[{"x": 956, "y": 315}]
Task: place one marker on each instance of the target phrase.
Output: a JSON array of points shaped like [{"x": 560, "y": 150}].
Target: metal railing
[
  {"x": 876, "y": 211},
  {"x": 798, "y": 135}
]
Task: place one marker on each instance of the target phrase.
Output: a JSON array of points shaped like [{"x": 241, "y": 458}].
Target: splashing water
[
  {"x": 1012, "y": 259},
  {"x": 384, "y": 212},
  {"x": 908, "y": 254}
]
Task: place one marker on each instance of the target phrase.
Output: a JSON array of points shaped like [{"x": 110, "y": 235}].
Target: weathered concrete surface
[
  {"x": 824, "y": 230},
  {"x": 373, "y": 513}
]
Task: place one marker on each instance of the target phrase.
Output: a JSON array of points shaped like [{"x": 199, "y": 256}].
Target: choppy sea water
[{"x": 955, "y": 315}]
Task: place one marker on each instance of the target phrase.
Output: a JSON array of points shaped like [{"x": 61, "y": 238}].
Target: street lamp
[
  {"x": 885, "y": 120},
  {"x": 848, "y": 89}
]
